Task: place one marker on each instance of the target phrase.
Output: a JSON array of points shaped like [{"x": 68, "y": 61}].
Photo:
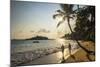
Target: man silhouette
[{"x": 62, "y": 47}]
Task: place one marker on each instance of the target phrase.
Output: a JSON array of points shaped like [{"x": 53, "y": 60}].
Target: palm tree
[{"x": 68, "y": 13}]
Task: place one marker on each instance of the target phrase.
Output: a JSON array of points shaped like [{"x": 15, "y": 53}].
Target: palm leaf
[
  {"x": 67, "y": 8},
  {"x": 60, "y": 22},
  {"x": 60, "y": 12},
  {"x": 56, "y": 15}
]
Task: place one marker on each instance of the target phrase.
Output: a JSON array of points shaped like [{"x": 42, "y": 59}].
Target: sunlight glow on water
[{"x": 61, "y": 41}]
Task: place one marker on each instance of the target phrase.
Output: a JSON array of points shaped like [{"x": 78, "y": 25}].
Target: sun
[{"x": 61, "y": 41}]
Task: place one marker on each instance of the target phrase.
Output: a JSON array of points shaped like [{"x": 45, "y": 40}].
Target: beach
[{"x": 53, "y": 55}]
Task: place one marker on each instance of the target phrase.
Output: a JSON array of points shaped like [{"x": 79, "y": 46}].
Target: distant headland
[{"x": 36, "y": 38}]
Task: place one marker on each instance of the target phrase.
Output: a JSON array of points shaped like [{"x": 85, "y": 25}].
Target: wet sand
[
  {"x": 48, "y": 59},
  {"x": 54, "y": 58}
]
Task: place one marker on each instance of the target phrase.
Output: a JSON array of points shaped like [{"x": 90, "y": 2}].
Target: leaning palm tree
[{"x": 68, "y": 13}]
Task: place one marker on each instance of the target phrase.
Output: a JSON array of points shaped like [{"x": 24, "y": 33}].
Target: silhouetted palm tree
[{"x": 68, "y": 13}]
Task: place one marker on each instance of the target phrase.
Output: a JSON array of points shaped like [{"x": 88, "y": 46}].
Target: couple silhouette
[{"x": 63, "y": 48}]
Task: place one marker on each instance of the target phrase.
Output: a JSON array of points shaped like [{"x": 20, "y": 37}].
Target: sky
[{"x": 29, "y": 19}]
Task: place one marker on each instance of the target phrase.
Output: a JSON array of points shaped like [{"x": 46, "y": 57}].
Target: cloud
[{"x": 43, "y": 31}]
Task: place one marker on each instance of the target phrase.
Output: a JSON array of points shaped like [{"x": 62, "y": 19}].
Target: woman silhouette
[{"x": 69, "y": 47}]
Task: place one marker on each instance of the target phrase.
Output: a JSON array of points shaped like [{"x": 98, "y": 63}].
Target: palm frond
[
  {"x": 56, "y": 15},
  {"x": 71, "y": 17},
  {"x": 60, "y": 12},
  {"x": 60, "y": 22},
  {"x": 67, "y": 8}
]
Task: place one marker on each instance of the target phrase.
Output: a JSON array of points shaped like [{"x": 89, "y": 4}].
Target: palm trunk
[{"x": 69, "y": 25}]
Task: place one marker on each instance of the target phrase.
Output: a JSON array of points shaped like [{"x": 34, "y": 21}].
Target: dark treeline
[{"x": 85, "y": 25}]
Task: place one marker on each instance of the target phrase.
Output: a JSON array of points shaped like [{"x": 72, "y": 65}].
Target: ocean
[{"x": 28, "y": 45}]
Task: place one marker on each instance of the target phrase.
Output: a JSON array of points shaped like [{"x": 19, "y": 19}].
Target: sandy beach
[
  {"x": 54, "y": 56},
  {"x": 81, "y": 55},
  {"x": 78, "y": 55}
]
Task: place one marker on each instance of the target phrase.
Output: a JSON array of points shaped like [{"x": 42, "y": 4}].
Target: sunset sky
[{"x": 30, "y": 19}]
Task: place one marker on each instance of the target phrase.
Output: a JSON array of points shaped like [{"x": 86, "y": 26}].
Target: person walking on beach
[
  {"x": 62, "y": 47},
  {"x": 69, "y": 47}
]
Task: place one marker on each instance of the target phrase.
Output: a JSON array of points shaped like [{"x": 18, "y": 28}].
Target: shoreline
[
  {"x": 43, "y": 56},
  {"x": 23, "y": 57}
]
